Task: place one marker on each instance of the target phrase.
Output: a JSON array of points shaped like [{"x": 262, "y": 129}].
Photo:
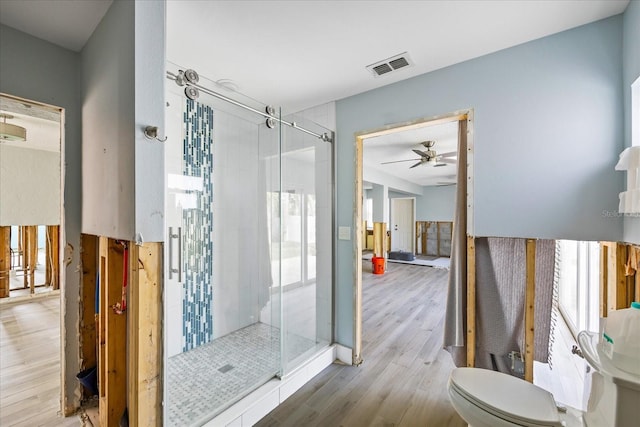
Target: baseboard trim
[{"x": 344, "y": 354}]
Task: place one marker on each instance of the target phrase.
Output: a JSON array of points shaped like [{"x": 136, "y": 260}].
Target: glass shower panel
[
  {"x": 222, "y": 304},
  {"x": 306, "y": 242},
  {"x": 310, "y": 225},
  {"x": 291, "y": 238}
]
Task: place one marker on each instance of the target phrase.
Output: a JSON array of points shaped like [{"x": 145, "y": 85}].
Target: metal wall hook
[{"x": 151, "y": 132}]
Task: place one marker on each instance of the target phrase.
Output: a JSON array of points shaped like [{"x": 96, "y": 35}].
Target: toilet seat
[{"x": 506, "y": 397}]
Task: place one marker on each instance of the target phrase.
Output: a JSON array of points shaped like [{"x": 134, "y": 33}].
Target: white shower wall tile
[
  {"x": 324, "y": 115},
  {"x": 242, "y": 280}
]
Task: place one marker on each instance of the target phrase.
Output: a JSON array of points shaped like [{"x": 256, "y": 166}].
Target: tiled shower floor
[{"x": 203, "y": 382}]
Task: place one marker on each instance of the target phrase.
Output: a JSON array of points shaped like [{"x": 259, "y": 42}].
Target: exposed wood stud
[
  {"x": 23, "y": 248},
  {"x": 604, "y": 278},
  {"x": 88, "y": 319},
  {"x": 616, "y": 279},
  {"x": 529, "y": 314},
  {"x": 53, "y": 256},
  {"x": 5, "y": 261},
  {"x": 356, "y": 354},
  {"x": 133, "y": 338},
  {"x": 379, "y": 239},
  {"x": 425, "y": 237},
  {"x": 621, "y": 279},
  {"x": 30, "y": 256},
  {"x": 145, "y": 334},
  {"x": 363, "y": 233},
  {"x": 636, "y": 284},
  {"x": 113, "y": 330},
  {"x": 471, "y": 301},
  {"x": 415, "y": 125}
]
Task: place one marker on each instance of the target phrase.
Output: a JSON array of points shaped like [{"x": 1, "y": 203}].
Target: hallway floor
[{"x": 30, "y": 363}]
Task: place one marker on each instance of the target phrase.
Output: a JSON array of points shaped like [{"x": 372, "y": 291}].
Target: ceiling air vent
[{"x": 390, "y": 64}]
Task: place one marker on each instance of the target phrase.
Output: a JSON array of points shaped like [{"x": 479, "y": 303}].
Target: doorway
[
  {"x": 463, "y": 120},
  {"x": 402, "y": 224},
  {"x": 31, "y": 277}
]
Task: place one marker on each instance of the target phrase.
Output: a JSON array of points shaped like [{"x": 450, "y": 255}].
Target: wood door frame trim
[{"x": 456, "y": 116}]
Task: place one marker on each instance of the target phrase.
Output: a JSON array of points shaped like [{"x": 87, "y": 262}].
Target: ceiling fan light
[{"x": 9, "y": 132}]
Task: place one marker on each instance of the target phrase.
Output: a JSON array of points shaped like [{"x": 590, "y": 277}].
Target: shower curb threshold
[{"x": 266, "y": 398}]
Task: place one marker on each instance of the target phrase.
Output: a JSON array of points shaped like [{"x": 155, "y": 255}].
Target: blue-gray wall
[
  {"x": 40, "y": 71},
  {"x": 548, "y": 129},
  {"x": 123, "y": 92},
  {"x": 108, "y": 156},
  {"x": 630, "y": 72},
  {"x": 436, "y": 203}
]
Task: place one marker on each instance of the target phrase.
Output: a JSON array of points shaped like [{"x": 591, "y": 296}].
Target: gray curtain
[
  {"x": 455, "y": 315},
  {"x": 500, "y": 301}
]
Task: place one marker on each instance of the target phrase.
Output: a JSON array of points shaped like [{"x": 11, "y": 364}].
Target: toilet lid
[{"x": 506, "y": 397}]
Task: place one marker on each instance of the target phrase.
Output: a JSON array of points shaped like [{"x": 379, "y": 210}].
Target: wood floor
[
  {"x": 403, "y": 379},
  {"x": 30, "y": 363}
]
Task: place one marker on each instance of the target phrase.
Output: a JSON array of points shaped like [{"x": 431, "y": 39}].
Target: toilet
[{"x": 485, "y": 398}]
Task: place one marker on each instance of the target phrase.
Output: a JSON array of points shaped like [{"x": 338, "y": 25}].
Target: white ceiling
[
  {"x": 298, "y": 54},
  {"x": 67, "y": 23},
  {"x": 398, "y": 146}
]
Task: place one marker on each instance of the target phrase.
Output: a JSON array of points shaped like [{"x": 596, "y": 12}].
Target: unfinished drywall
[
  {"x": 436, "y": 203},
  {"x": 37, "y": 70},
  {"x": 630, "y": 72},
  {"x": 547, "y": 132},
  {"x": 123, "y": 92}
]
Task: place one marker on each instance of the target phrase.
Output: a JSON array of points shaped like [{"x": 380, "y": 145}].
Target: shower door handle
[{"x": 178, "y": 270}]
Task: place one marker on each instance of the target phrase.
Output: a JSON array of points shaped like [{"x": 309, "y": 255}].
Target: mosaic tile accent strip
[
  {"x": 203, "y": 382},
  {"x": 197, "y": 226}
]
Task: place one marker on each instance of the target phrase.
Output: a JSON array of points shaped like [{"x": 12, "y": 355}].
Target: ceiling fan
[{"x": 429, "y": 157}]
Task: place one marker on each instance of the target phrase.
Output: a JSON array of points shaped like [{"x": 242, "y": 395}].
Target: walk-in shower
[{"x": 248, "y": 283}]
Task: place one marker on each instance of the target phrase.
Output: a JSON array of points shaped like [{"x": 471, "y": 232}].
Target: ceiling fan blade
[
  {"x": 450, "y": 161},
  {"x": 398, "y": 161},
  {"x": 444, "y": 184},
  {"x": 421, "y": 153},
  {"x": 417, "y": 164},
  {"x": 449, "y": 154}
]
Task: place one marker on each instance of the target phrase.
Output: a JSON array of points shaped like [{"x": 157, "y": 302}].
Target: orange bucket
[{"x": 378, "y": 265}]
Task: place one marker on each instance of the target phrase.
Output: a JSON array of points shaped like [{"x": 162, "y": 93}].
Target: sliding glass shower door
[
  {"x": 307, "y": 273},
  {"x": 248, "y": 249}
]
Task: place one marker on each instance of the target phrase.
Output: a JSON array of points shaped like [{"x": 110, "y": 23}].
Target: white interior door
[{"x": 402, "y": 225}]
